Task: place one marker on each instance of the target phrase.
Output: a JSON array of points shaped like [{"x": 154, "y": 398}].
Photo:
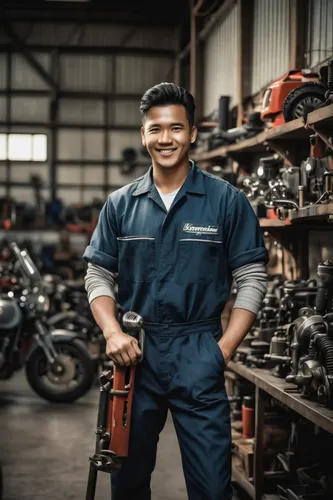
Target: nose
[{"x": 165, "y": 137}]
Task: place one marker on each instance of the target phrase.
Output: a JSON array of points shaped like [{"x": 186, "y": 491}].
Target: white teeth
[{"x": 166, "y": 150}]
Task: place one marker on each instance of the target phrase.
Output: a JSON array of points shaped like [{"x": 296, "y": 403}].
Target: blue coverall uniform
[{"x": 175, "y": 270}]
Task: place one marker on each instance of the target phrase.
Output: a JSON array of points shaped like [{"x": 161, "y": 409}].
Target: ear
[
  {"x": 143, "y": 139},
  {"x": 194, "y": 133}
]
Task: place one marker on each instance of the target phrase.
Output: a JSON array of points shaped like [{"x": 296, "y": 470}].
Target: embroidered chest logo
[{"x": 193, "y": 229}]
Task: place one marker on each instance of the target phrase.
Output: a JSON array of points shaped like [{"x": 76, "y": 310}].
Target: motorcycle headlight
[{"x": 43, "y": 303}]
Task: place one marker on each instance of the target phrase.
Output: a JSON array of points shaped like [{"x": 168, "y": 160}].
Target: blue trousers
[{"x": 182, "y": 371}]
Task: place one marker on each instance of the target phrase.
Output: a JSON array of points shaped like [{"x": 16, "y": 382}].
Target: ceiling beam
[
  {"x": 94, "y": 50},
  {"x": 98, "y": 15},
  {"x": 23, "y": 49}
]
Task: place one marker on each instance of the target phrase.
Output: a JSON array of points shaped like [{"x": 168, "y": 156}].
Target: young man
[{"x": 176, "y": 237}]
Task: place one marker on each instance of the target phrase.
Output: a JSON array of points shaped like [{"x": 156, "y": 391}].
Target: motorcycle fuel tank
[{"x": 10, "y": 314}]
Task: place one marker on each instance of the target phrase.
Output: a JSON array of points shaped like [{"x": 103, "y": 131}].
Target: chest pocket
[
  {"x": 198, "y": 260},
  {"x": 137, "y": 258}
]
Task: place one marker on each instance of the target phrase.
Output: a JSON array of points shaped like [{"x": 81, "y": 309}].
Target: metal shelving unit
[
  {"x": 322, "y": 212},
  {"x": 288, "y": 395},
  {"x": 285, "y": 137}
]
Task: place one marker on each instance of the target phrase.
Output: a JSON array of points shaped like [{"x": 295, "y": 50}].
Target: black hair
[{"x": 168, "y": 93}]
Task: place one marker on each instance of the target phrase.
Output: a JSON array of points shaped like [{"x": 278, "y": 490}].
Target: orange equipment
[{"x": 275, "y": 95}]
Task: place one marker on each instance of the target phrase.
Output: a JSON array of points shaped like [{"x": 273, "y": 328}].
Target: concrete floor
[{"x": 45, "y": 447}]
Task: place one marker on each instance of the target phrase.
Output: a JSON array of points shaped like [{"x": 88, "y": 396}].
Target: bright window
[
  {"x": 39, "y": 147},
  {"x": 19, "y": 147},
  {"x": 23, "y": 147},
  {"x": 3, "y": 147}
]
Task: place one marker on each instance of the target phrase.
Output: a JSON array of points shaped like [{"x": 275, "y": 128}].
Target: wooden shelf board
[
  {"x": 210, "y": 155},
  {"x": 253, "y": 144},
  {"x": 273, "y": 223},
  {"x": 296, "y": 129},
  {"x": 287, "y": 394},
  {"x": 313, "y": 211},
  {"x": 290, "y": 130},
  {"x": 322, "y": 118}
]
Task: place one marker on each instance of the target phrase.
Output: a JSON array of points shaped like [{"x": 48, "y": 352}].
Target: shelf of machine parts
[
  {"x": 322, "y": 212},
  {"x": 287, "y": 394},
  {"x": 293, "y": 130}
]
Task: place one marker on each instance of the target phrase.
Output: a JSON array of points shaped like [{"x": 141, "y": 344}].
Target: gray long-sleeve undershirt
[{"x": 251, "y": 284}]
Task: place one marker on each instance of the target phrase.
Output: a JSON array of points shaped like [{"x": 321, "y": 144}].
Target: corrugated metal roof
[
  {"x": 3, "y": 71},
  {"x": 119, "y": 140},
  {"x": 30, "y": 109},
  {"x": 125, "y": 113},
  {"x": 20, "y": 173},
  {"x": 24, "y": 76},
  {"x": 136, "y": 74},
  {"x": 84, "y": 72},
  {"x": 81, "y": 111},
  {"x": 320, "y": 32},
  {"x": 116, "y": 178},
  {"x": 220, "y": 56},
  {"x": 270, "y": 42},
  {"x": 93, "y": 144},
  {"x": 3, "y": 109}
]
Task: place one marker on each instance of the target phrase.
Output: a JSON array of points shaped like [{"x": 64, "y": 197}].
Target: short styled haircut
[{"x": 165, "y": 94}]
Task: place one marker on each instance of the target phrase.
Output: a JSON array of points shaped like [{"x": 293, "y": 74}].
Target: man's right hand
[{"x": 123, "y": 349}]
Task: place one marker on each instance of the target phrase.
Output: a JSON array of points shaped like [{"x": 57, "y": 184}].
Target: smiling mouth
[{"x": 166, "y": 152}]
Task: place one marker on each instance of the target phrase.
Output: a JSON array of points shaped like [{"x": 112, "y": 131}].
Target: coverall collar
[{"x": 194, "y": 182}]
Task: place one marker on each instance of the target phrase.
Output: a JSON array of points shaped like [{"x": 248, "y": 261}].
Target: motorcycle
[
  {"x": 57, "y": 363},
  {"x": 70, "y": 311}
]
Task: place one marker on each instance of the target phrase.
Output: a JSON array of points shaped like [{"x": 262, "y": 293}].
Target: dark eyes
[{"x": 175, "y": 129}]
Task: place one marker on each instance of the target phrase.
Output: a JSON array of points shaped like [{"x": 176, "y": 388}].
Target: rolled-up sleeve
[
  {"x": 103, "y": 247},
  {"x": 243, "y": 241}
]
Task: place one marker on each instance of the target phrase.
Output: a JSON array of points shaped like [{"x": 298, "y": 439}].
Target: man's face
[{"x": 167, "y": 135}]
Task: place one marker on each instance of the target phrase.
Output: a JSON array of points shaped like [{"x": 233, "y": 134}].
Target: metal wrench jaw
[
  {"x": 105, "y": 461},
  {"x": 105, "y": 379},
  {"x": 133, "y": 321}
]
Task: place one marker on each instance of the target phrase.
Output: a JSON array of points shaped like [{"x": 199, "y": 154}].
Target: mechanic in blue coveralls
[{"x": 176, "y": 238}]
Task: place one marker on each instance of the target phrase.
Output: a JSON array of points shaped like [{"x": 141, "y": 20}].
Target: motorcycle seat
[{"x": 75, "y": 285}]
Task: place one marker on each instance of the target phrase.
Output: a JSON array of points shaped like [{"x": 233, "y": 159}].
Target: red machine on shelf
[{"x": 288, "y": 97}]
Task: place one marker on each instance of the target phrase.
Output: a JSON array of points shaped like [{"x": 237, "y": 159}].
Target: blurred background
[{"x": 72, "y": 73}]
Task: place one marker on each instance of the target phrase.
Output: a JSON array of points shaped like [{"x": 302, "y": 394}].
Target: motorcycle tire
[
  {"x": 79, "y": 351},
  {"x": 303, "y": 99}
]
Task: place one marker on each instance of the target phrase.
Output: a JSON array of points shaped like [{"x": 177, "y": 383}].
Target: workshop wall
[
  {"x": 320, "y": 32},
  {"x": 270, "y": 58},
  {"x": 96, "y": 114},
  {"x": 220, "y": 56}
]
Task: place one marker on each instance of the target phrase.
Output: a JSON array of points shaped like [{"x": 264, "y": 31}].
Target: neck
[{"x": 170, "y": 179}]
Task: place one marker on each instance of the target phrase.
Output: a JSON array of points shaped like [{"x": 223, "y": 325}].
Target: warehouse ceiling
[{"x": 170, "y": 12}]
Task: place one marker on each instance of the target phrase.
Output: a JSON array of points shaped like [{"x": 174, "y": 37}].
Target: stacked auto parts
[
  {"x": 268, "y": 343},
  {"x": 312, "y": 346}
]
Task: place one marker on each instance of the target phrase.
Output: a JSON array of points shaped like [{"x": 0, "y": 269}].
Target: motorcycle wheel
[{"x": 75, "y": 382}]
